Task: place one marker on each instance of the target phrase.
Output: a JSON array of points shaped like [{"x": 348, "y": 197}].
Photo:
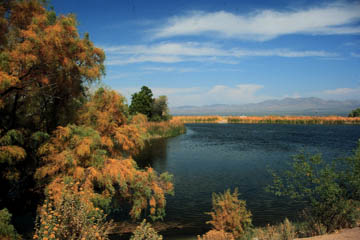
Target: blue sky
[{"x": 225, "y": 52}]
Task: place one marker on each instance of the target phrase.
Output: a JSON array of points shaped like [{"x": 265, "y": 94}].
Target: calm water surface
[{"x": 213, "y": 157}]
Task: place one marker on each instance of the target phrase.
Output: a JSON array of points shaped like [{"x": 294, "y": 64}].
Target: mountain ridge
[{"x": 287, "y": 106}]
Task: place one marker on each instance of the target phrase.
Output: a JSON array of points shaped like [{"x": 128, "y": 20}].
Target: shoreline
[{"x": 298, "y": 120}]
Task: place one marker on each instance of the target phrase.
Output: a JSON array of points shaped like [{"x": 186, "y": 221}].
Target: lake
[{"x": 213, "y": 157}]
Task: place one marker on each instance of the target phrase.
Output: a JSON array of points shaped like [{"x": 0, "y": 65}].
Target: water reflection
[{"x": 153, "y": 154}]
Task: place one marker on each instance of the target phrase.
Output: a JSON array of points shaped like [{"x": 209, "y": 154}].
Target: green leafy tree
[
  {"x": 142, "y": 102},
  {"x": 329, "y": 191},
  {"x": 7, "y": 230},
  {"x": 355, "y": 113},
  {"x": 160, "y": 109}
]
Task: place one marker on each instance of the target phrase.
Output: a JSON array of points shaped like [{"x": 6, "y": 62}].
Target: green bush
[
  {"x": 355, "y": 113},
  {"x": 330, "y": 191},
  {"x": 7, "y": 230}
]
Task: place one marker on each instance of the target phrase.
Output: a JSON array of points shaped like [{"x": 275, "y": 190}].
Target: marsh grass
[
  {"x": 294, "y": 120},
  {"x": 165, "y": 129}
]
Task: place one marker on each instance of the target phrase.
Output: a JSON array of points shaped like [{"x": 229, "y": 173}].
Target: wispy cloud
[
  {"x": 195, "y": 52},
  {"x": 169, "y": 69},
  {"x": 217, "y": 94},
  {"x": 353, "y": 54},
  {"x": 335, "y": 18},
  {"x": 342, "y": 91}
]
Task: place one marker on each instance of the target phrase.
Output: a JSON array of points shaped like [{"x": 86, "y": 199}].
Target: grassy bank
[
  {"x": 295, "y": 120},
  {"x": 165, "y": 129},
  {"x": 199, "y": 119},
  {"x": 269, "y": 119}
]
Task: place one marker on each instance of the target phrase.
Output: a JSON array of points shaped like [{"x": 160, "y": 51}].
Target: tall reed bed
[
  {"x": 294, "y": 120},
  {"x": 165, "y": 129},
  {"x": 198, "y": 119}
]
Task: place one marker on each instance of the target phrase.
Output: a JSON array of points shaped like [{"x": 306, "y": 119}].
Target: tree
[
  {"x": 45, "y": 67},
  {"x": 331, "y": 192},
  {"x": 96, "y": 154},
  {"x": 160, "y": 109},
  {"x": 142, "y": 102},
  {"x": 355, "y": 113}
]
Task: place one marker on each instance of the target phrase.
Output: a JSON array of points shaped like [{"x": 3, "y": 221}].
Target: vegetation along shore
[{"x": 269, "y": 119}]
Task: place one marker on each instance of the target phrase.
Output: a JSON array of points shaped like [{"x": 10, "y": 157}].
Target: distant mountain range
[{"x": 287, "y": 106}]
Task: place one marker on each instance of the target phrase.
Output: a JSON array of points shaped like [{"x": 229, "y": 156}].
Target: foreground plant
[
  {"x": 331, "y": 192},
  {"x": 71, "y": 216},
  {"x": 284, "y": 231},
  {"x": 229, "y": 214},
  {"x": 7, "y": 230},
  {"x": 216, "y": 235},
  {"x": 145, "y": 232}
]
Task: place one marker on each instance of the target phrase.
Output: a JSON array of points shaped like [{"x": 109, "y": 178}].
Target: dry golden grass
[
  {"x": 165, "y": 129},
  {"x": 198, "y": 119},
  {"x": 269, "y": 119}
]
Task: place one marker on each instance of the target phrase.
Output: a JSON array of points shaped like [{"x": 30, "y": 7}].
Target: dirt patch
[{"x": 344, "y": 234}]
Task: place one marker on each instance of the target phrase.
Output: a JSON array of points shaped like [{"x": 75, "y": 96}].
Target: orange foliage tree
[
  {"x": 44, "y": 65},
  {"x": 97, "y": 153},
  {"x": 44, "y": 68}
]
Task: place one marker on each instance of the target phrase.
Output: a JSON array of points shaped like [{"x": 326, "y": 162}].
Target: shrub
[
  {"x": 216, "y": 235},
  {"x": 72, "y": 217},
  {"x": 7, "y": 230},
  {"x": 326, "y": 189},
  {"x": 284, "y": 231},
  {"x": 355, "y": 113},
  {"x": 267, "y": 233},
  {"x": 230, "y": 214},
  {"x": 145, "y": 232}
]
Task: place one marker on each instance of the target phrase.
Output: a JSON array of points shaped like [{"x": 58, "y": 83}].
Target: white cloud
[
  {"x": 122, "y": 60},
  {"x": 339, "y": 93},
  {"x": 195, "y": 52},
  {"x": 218, "y": 94},
  {"x": 267, "y": 24},
  {"x": 357, "y": 55},
  {"x": 169, "y": 69},
  {"x": 342, "y": 91}
]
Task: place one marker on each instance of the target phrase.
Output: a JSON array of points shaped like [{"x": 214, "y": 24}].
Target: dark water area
[{"x": 214, "y": 157}]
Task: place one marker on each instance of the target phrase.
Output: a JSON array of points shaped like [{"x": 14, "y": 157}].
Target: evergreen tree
[{"x": 142, "y": 102}]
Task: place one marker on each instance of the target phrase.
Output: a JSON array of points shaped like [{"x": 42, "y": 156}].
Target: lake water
[{"x": 213, "y": 157}]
